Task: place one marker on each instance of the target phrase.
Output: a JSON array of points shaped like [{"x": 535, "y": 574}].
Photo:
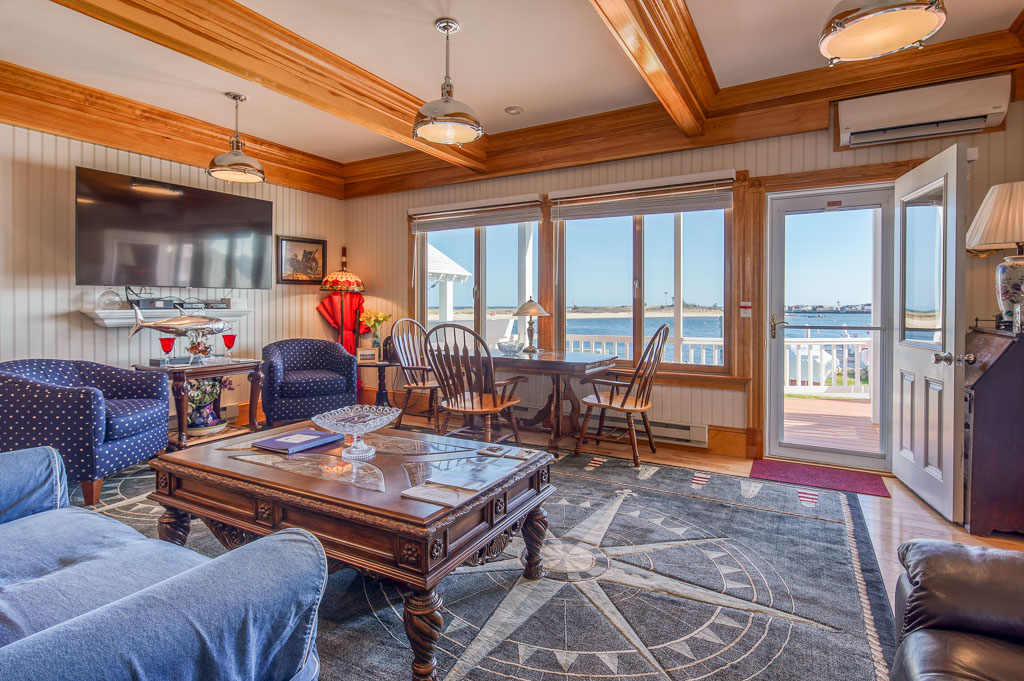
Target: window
[
  {"x": 476, "y": 265},
  {"x": 635, "y": 261}
]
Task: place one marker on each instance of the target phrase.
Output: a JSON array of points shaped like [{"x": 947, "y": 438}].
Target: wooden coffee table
[{"x": 357, "y": 511}]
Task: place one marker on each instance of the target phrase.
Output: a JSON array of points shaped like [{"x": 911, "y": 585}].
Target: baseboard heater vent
[{"x": 677, "y": 433}]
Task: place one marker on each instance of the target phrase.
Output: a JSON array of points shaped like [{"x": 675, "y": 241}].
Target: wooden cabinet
[{"x": 994, "y": 432}]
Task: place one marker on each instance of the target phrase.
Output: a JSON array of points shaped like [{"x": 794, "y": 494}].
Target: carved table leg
[
  {"x": 255, "y": 381},
  {"x": 173, "y": 526},
  {"x": 423, "y": 627},
  {"x": 179, "y": 388},
  {"x": 534, "y": 529}
]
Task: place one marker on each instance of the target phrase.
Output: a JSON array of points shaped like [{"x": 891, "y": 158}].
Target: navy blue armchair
[
  {"x": 101, "y": 419},
  {"x": 87, "y": 597},
  {"x": 303, "y": 377}
]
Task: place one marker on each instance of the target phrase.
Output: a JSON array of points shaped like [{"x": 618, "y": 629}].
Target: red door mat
[{"x": 819, "y": 476}]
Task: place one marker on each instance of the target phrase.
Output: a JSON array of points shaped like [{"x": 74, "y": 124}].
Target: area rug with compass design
[{"x": 656, "y": 573}]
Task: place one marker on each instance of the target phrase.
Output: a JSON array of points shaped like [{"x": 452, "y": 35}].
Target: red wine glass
[
  {"x": 167, "y": 345},
  {"x": 229, "y": 342}
]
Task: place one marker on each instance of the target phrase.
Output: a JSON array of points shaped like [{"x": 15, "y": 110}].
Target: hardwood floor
[
  {"x": 841, "y": 423},
  {"x": 890, "y": 521}
]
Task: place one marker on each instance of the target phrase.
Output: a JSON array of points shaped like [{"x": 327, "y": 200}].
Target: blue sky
[{"x": 828, "y": 259}]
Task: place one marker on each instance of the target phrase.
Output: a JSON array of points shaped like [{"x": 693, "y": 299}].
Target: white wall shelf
[{"x": 124, "y": 318}]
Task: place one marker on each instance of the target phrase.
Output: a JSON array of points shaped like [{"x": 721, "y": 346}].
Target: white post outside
[
  {"x": 445, "y": 301},
  {"x": 525, "y": 273},
  {"x": 677, "y": 292}
]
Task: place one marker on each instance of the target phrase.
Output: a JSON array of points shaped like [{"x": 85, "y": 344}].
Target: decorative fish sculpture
[{"x": 182, "y": 325}]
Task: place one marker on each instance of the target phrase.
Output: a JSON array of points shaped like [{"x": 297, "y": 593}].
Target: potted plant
[{"x": 202, "y": 394}]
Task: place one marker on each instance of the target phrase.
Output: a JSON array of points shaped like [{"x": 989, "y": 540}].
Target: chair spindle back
[
  {"x": 461, "y": 362},
  {"x": 409, "y": 338},
  {"x": 642, "y": 383}
]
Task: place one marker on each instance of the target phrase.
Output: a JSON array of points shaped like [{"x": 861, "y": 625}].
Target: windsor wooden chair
[
  {"x": 628, "y": 397},
  {"x": 408, "y": 336},
  {"x": 464, "y": 372}
]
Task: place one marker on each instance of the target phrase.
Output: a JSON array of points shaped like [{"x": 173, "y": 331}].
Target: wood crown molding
[
  {"x": 964, "y": 58},
  {"x": 233, "y": 38},
  {"x": 661, "y": 40},
  {"x": 626, "y": 133},
  {"x": 1017, "y": 27},
  {"x": 39, "y": 101}
]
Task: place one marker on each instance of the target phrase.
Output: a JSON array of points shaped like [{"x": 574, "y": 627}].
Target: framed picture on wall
[{"x": 300, "y": 261}]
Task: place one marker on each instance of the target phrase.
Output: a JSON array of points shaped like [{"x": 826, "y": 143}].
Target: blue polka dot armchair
[
  {"x": 303, "y": 377},
  {"x": 100, "y": 418}
]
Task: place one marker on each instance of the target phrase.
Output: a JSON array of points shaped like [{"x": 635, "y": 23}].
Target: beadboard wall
[
  {"x": 40, "y": 305},
  {"x": 378, "y": 238}
]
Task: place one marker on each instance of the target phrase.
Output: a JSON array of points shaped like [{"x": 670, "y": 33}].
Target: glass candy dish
[
  {"x": 357, "y": 420},
  {"x": 510, "y": 348}
]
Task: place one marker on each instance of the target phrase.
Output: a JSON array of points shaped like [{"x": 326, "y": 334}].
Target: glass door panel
[
  {"x": 923, "y": 268},
  {"x": 451, "y": 284}
]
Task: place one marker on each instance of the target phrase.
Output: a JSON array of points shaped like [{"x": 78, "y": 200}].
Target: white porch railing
[
  {"x": 709, "y": 351},
  {"x": 818, "y": 366}
]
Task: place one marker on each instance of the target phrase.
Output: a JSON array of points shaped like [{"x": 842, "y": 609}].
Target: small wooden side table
[
  {"x": 382, "y": 380},
  {"x": 181, "y": 374}
]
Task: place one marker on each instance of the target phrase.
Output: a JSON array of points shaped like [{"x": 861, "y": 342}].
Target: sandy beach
[{"x": 619, "y": 312}]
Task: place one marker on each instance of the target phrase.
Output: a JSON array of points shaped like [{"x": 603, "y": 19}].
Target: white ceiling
[
  {"x": 749, "y": 40},
  {"x": 554, "y": 58}
]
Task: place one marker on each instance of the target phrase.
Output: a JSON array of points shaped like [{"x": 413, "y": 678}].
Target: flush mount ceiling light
[
  {"x": 447, "y": 120},
  {"x": 236, "y": 165},
  {"x": 514, "y": 110},
  {"x": 865, "y": 29}
]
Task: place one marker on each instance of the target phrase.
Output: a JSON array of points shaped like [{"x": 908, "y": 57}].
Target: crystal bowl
[
  {"x": 357, "y": 420},
  {"x": 510, "y": 347}
]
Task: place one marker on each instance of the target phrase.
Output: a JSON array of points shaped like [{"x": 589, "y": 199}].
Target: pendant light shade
[
  {"x": 236, "y": 165},
  {"x": 447, "y": 120},
  {"x": 865, "y": 29}
]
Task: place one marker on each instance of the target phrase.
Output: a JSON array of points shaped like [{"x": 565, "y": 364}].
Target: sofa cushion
[
  {"x": 312, "y": 383},
  {"x": 129, "y": 417},
  {"x": 60, "y": 564},
  {"x": 943, "y": 655},
  {"x": 61, "y": 372}
]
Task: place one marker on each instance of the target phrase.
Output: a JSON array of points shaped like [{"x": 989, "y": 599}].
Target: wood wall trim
[
  {"x": 1017, "y": 27},
  {"x": 233, "y": 38},
  {"x": 627, "y": 133},
  {"x": 42, "y": 102},
  {"x": 964, "y": 58},
  {"x": 661, "y": 40},
  {"x": 749, "y": 206},
  {"x": 837, "y": 177}
]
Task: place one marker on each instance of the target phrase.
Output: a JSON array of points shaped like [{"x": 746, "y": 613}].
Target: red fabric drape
[{"x": 343, "y": 314}]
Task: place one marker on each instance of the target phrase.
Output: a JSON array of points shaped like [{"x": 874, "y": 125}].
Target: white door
[
  {"x": 928, "y": 344},
  {"x": 830, "y": 278}
]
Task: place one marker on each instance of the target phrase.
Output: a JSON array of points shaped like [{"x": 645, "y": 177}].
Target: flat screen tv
[{"x": 137, "y": 232}]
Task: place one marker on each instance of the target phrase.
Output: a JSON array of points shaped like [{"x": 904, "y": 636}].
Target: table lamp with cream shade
[
  {"x": 999, "y": 224},
  {"x": 531, "y": 309}
]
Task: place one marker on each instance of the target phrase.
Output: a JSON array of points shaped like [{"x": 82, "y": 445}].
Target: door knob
[
  {"x": 775, "y": 322},
  {"x": 942, "y": 358}
]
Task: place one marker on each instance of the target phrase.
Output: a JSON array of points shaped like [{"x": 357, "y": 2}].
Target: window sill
[{"x": 692, "y": 379}]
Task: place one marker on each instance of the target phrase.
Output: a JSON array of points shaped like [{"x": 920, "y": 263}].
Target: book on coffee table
[
  {"x": 474, "y": 476},
  {"x": 297, "y": 441},
  {"x": 438, "y": 494},
  {"x": 501, "y": 451}
]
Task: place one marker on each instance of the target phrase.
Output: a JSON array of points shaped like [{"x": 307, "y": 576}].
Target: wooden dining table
[{"x": 561, "y": 367}]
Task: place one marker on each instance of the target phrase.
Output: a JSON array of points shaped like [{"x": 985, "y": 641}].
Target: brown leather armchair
[{"x": 959, "y": 613}]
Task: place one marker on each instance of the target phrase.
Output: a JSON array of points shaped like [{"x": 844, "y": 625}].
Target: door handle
[
  {"x": 775, "y": 322},
  {"x": 943, "y": 358}
]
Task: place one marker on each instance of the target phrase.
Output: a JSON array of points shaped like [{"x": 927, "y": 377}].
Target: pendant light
[
  {"x": 447, "y": 120},
  {"x": 236, "y": 165},
  {"x": 865, "y": 29}
]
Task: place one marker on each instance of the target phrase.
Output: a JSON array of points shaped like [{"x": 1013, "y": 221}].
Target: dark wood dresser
[{"x": 994, "y": 432}]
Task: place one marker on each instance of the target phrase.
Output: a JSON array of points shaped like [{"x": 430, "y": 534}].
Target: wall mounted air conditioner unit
[{"x": 959, "y": 108}]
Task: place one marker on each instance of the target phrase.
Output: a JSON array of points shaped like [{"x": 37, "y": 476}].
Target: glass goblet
[
  {"x": 229, "y": 342},
  {"x": 167, "y": 345}
]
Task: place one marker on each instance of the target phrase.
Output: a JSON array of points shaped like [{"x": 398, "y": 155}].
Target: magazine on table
[
  {"x": 475, "y": 475},
  {"x": 501, "y": 451},
  {"x": 297, "y": 441},
  {"x": 438, "y": 494}
]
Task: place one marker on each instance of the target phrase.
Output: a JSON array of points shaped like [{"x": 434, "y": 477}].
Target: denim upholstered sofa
[
  {"x": 101, "y": 419},
  {"x": 303, "y": 377},
  {"x": 84, "y": 597}
]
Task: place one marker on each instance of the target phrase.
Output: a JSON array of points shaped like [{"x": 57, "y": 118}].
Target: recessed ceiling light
[{"x": 513, "y": 110}]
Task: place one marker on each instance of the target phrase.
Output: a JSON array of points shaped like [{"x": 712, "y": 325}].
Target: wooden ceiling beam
[
  {"x": 35, "y": 100},
  {"x": 233, "y": 38},
  {"x": 662, "y": 42},
  {"x": 626, "y": 133},
  {"x": 1017, "y": 27},
  {"x": 964, "y": 58}
]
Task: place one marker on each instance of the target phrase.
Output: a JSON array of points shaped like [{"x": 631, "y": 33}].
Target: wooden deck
[{"x": 842, "y": 424}]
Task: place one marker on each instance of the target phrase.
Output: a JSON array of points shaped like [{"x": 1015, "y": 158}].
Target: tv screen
[{"x": 137, "y": 232}]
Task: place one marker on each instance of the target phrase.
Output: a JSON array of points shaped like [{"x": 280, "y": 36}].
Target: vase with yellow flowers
[{"x": 374, "y": 319}]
